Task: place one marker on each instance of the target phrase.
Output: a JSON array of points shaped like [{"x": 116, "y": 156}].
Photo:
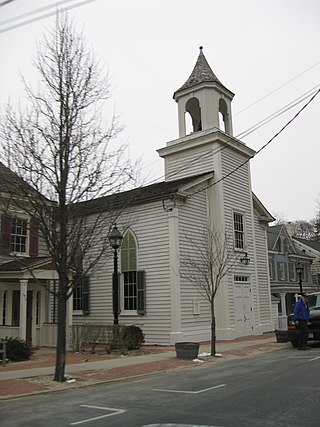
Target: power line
[
  {"x": 5, "y": 2},
  {"x": 262, "y": 148},
  {"x": 34, "y": 11},
  {"x": 245, "y": 133},
  {"x": 30, "y": 21},
  {"x": 278, "y": 113},
  {"x": 209, "y": 152},
  {"x": 277, "y": 88}
]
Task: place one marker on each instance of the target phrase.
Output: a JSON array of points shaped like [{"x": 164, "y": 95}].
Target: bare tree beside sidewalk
[
  {"x": 60, "y": 147},
  {"x": 211, "y": 259}
]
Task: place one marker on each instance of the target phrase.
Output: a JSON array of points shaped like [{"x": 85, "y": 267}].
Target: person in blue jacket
[{"x": 301, "y": 317}]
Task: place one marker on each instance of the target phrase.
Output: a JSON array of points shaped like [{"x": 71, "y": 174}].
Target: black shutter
[
  {"x": 86, "y": 295},
  {"x": 34, "y": 237},
  {"x": 141, "y": 292},
  {"x": 5, "y": 234}
]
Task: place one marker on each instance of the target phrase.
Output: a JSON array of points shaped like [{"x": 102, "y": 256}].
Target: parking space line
[
  {"x": 314, "y": 358},
  {"x": 114, "y": 411},
  {"x": 190, "y": 392}
]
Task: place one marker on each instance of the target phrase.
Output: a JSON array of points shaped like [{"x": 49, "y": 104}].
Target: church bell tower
[{"x": 205, "y": 99}]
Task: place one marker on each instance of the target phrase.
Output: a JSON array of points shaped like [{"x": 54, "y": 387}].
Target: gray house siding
[{"x": 263, "y": 288}]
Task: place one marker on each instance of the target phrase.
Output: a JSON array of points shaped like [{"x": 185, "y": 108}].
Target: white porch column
[
  {"x": 69, "y": 311},
  {"x": 23, "y": 309},
  {"x": 283, "y": 317},
  {"x": 43, "y": 314},
  {"x": 69, "y": 321},
  {"x": 34, "y": 318}
]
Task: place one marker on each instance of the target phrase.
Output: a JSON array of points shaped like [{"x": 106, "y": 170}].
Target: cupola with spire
[{"x": 205, "y": 98}]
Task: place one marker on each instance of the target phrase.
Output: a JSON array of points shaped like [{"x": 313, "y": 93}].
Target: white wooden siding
[
  {"x": 190, "y": 162},
  {"x": 192, "y": 221},
  {"x": 150, "y": 225}
]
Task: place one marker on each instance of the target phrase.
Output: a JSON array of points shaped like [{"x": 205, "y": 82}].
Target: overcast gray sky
[{"x": 255, "y": 47}]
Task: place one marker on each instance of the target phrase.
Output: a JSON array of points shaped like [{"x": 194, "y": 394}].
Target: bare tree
[
  {"x": 279, "y": 219},
  {"x": 211, "y": 259},
  {"x": 60, "y": 147},
  {"x": 304, "y": 229},
  {"x": 316, "y": 223}
]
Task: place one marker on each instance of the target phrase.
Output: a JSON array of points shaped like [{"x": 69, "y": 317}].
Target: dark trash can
[{"x": 187, "y": 350}]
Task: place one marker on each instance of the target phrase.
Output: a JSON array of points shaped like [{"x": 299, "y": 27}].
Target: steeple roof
[{"x": 201, "y": 73}]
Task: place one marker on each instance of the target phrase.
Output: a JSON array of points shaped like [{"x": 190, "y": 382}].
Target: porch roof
[{"x": 28, "y": 268}]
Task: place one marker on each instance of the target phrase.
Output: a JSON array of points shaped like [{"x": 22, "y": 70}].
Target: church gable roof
[{"x": 137, "y": 196}]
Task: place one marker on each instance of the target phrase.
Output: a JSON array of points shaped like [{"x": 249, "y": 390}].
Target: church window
[
  {"x": 133, "y": 280},
  {"x": 238, "y": 226}
]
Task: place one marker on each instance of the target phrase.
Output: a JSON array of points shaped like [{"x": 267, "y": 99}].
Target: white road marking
[
  {"x": 190, "y": 392},
  {"x": 114, "y": 411},
  {"x": 315, "y": 358}
]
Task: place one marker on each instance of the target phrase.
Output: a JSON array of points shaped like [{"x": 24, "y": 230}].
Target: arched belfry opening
[
  {"x": 193, "y": 108},
  {"x": 224, "y": 117}
]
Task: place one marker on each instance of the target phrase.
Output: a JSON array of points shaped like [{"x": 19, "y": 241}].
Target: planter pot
[
  {"x": 281, "y": 336},
  {"x": 187, "y": 350}
]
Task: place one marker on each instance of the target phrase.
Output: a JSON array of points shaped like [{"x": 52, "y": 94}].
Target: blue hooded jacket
[{"x": 301, "y": 311}]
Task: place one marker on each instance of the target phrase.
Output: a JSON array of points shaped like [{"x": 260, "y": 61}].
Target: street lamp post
[
  {"x": 115, "y": 239},
  {"x": 299, "y": 271}
]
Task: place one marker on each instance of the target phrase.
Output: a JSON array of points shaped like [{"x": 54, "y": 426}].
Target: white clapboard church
[{"x": 207, "y": 181}]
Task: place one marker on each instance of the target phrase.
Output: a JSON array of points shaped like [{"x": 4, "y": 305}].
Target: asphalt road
[{"x": 281, "y": 388}]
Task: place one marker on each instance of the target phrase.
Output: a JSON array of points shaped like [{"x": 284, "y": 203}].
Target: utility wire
[
  {"x": 34, "y": 11},
  {"x": 245, "y": 133},
  {"x": 210, "y": 152},
  {"x": 4, "y": 2},
  {"x": 278, "y": 113},
  {"x": 277, "y": 88},
  {"x": 30, "y": 21},
  {"x": 262, "y": 148}
]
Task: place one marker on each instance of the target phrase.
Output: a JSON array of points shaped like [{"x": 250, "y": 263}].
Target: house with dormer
[
  {"x": 284, "y": 257},
  {"x": 207, "y": 182},
  {"x": 311, "y": 248}
]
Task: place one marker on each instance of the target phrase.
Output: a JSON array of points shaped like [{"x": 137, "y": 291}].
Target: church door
[{"x": 243, "y": 312}]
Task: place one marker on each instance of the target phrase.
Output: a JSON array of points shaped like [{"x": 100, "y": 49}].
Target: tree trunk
[
  {"x": 61, "y": 341},
  {"x": 213, "y": 331}
]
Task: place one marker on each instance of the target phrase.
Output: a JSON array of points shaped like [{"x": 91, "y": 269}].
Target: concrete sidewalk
[{"x": 36, "y": 378}]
